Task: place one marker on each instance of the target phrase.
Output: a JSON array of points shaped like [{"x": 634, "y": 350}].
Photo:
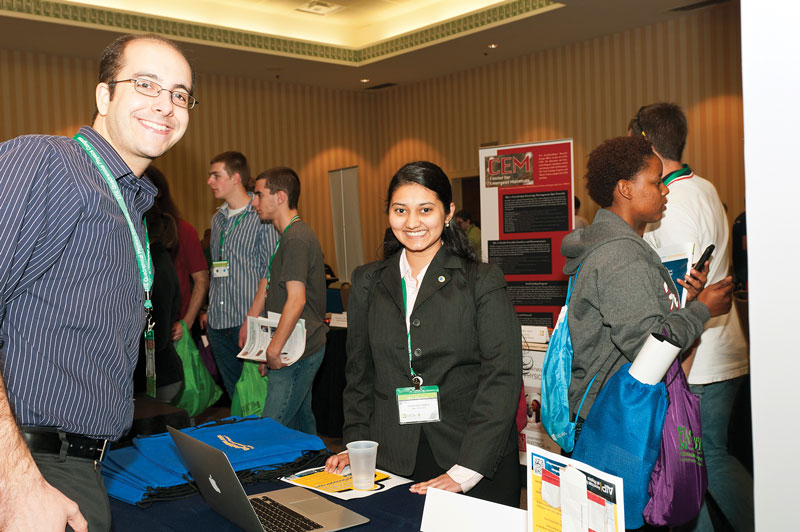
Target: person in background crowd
[
  {"x": 206, "y": 243},
  {"x": 296, "y": 289},
  {"x": 473, "y": 232},
  {"x": 163, "y": 233},
  {"x": 430, "y": 314},
  {"x": 240, "y": 249},
  {"x": 721, "y": 361},
  {"x": 580, "y": 221},
  {"x": 739, "y": 251},
  {"x": 73, "y": 282},
  {"x": 188, "y": 259}
]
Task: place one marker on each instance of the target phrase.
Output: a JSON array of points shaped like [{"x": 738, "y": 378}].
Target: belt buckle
[{"x": 103, "y": 451}]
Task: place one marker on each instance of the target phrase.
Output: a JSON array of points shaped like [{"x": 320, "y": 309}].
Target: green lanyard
[
  {"x": 269, "y": 269},
  {"x": 415, "y": 379},
  {"x": 224, "y": 235},
  {"x": 143, "y": 258}
]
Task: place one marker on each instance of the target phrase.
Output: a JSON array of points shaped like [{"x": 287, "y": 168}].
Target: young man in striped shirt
[{"x": 240, "y": 249}]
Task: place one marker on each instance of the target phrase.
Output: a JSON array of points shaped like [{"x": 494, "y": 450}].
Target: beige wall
[{"x": 587, "y": 91}]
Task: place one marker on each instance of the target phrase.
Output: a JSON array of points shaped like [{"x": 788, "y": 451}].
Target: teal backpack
[{"x": 556, "y": 376}]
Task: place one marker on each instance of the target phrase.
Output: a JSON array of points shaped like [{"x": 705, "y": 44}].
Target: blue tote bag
[{"x": 622, "y": 436}]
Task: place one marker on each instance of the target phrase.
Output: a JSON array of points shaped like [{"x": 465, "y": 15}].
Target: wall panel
[{"x": 587, "y": 90}]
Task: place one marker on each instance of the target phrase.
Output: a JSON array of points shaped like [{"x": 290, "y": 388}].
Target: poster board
[{"x": 527, "y": 208}]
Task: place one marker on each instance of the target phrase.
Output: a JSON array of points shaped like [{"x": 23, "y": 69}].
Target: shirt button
[
  {"x": 415, "y": 322},
  {"x": 417, "y": 352}
]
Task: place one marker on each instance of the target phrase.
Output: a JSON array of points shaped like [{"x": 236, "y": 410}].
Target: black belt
[{"x": 44, "y": 440}]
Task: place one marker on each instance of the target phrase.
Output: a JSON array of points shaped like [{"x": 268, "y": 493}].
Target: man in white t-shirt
[{"x": 696, "y": 215}]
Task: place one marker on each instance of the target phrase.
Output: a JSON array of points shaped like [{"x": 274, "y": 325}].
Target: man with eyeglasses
[{"x": 75, "y": 276}]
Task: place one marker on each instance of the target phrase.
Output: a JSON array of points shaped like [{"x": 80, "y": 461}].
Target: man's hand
[
  {"x": 243, "y": 335},
  {"x": 203, "y": 321},
  {"x": 39, "y": 506},
  {"x": 177, "y": 331}
]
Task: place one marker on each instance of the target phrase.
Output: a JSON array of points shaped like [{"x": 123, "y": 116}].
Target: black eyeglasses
[
  {"x": 179, "y": 98},
  {"x": 639, "y": 124}
]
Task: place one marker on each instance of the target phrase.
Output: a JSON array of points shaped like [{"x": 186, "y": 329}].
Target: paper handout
[{"x": 259, "y": 336}]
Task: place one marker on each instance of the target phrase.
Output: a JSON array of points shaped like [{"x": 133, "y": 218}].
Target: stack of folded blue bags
[{"x": 151, "y": 469}]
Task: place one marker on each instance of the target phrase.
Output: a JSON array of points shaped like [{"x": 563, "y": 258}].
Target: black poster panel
[
  {"x": 522, "y": 257},
  {"x": 537, "y": 293},
  {"x": 536, "y": 212}
]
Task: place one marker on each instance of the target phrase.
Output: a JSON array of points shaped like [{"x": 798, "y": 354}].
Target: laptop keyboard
[{"x": 275, "y": 517}]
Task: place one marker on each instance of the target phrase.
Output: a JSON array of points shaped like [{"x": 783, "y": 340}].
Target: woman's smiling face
[{"x": 417, "y": 218}]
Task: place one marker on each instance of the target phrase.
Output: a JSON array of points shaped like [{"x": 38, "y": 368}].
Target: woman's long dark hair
[{"x": 434, "y": 179}]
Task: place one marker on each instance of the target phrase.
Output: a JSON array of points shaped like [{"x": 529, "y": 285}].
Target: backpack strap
[{"x": 569, "y": 295}]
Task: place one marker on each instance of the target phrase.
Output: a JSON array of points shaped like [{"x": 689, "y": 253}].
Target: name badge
[
  {"x": 219, "y": 268},
  {"x": 418, "y": 406}
]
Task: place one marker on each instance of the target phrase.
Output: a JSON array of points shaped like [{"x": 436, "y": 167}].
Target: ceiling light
[
  {"x": 364, "y": 80},
  {"x": 316, "y": 7},
  {"x": 493, "y": 46}
]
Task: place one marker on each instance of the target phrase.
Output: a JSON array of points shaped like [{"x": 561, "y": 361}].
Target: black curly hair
[{"x": 615, "y": 159}]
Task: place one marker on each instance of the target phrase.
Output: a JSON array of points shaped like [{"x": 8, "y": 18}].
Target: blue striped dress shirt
[
  {"x": 247, "y": 249},
  {"x": 71, "y": 299}
]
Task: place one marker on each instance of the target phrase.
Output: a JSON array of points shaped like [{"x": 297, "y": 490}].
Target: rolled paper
[{"x": 654, "y": 359}]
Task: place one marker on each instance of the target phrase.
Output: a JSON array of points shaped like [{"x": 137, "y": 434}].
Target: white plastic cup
[{"x": 363, "y": 454}]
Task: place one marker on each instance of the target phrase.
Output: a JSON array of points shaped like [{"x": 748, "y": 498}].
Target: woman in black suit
[{"x": 460, "y": 334}]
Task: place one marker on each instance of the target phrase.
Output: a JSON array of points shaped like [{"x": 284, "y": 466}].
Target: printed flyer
[{"x": 570, "y": 496}]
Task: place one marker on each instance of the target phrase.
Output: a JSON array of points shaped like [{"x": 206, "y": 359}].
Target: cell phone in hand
[{"x": 704, "y": 257}]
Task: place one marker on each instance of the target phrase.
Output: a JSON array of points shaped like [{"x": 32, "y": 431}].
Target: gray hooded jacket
[{"x": 622, "y": 294}]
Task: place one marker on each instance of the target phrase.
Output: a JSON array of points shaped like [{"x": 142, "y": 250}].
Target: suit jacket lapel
[
  {"x": 439, "y": 275},
  {"x": 390, "y": 279}
]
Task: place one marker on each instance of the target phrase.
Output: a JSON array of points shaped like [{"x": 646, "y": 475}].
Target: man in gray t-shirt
[{"x": 295, "y": 289}]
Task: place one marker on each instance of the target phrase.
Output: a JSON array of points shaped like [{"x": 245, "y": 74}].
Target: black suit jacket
[{"x": 465, "y": 338}]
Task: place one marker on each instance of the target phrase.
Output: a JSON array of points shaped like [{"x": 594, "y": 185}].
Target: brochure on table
[
  {"x": 564, "y": 494},
  {"x": 527, "y": 207},
  {"x": 259, "y": 335},
  {"x": 341, "y": 486}
]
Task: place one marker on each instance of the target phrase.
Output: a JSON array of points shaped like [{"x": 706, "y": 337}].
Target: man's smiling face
[{"x": 141, "y": 127}]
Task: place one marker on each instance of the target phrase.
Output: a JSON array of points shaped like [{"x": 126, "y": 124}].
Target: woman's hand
[
  {"x": 694, "y": 282},
  {"x": 337, "y": 463},
  {"x": 442, "y": 482},
  {"x": 718, "y": 297}
]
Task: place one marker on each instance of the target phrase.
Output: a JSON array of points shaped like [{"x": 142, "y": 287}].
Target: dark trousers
[
  {"x": 504, "y": 488},
  {"x": 81, "y": 481}
]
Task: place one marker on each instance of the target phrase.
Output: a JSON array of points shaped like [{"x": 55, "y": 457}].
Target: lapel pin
[{"x": 441, "y": 278}]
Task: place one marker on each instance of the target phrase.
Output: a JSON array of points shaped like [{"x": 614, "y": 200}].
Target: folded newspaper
[{"x": 259, "y": 335}]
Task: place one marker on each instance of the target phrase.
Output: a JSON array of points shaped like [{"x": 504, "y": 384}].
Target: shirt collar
[
  {"x": 684, "y": 172},
  {"x": 110, "y": 156},
  {"x": 224, "y": 208},
  {"x": 405, "y": 270}
]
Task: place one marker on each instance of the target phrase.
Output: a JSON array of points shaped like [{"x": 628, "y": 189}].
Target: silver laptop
[{"x": 292, "y": 508}]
